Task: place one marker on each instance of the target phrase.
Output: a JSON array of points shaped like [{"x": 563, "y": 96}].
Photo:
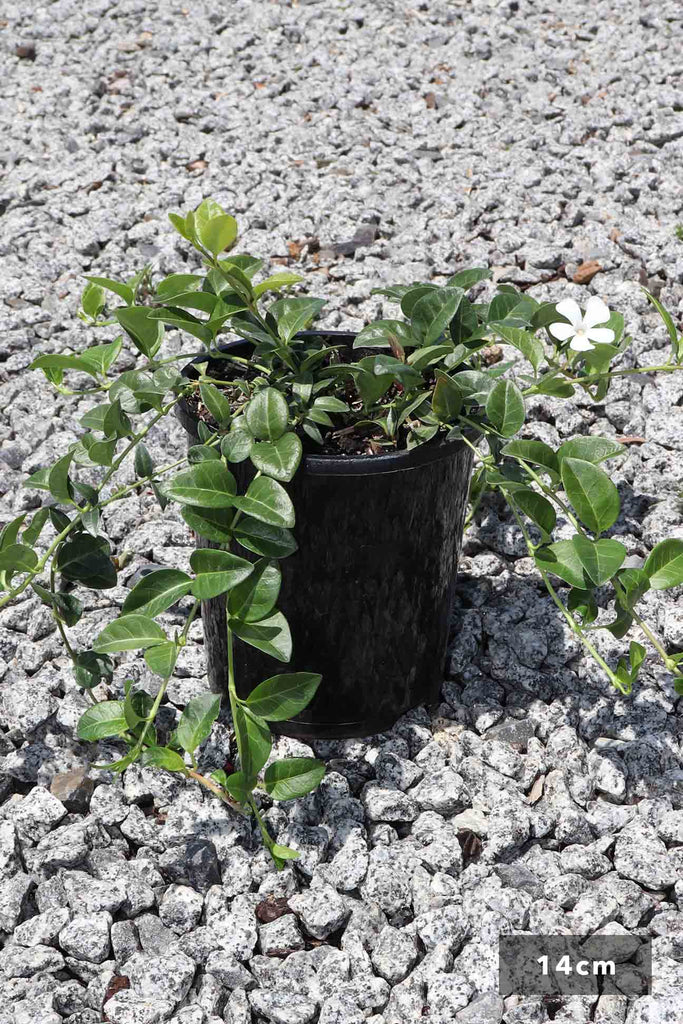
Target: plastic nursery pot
[{"x": 368, "y": 593}]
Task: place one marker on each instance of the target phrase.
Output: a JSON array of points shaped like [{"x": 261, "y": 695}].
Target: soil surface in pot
[{"x": 342, "y": 438}]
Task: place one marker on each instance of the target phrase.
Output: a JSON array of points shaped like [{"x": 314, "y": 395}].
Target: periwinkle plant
[{"x": 416, "y": 380}]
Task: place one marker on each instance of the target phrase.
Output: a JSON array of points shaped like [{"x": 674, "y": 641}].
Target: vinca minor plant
[{"x": 424, "y": 377}]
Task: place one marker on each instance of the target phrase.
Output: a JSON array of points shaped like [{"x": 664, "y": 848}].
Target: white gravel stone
[{"x": 86, "y": 937}]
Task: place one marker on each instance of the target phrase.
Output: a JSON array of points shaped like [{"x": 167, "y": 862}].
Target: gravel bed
[{"x": 362, "y": 143}]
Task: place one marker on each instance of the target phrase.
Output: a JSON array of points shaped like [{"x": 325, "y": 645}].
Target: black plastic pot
[{"x": 368, "y": 593}]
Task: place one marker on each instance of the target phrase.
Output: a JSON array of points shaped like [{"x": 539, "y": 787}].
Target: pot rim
[{"x": 340, "y": 465}]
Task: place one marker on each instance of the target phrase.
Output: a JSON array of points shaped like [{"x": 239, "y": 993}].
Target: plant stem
[
  {"x": 658, "y": 646},
  {"x": 216, "y": 789},
  {"x": 571, "y": 621}
]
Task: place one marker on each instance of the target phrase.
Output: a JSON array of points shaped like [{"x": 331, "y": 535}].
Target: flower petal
[
  {"x": 562, "y": 331},
  {"x": 580, "y": 343},
  {"x": 597, "y": 312},
  {"x": 570, "y": 309},
  {"x": 600, "y": 335}
]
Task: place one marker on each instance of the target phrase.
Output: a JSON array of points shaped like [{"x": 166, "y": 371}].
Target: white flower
[{"x": 583, "y": 330}]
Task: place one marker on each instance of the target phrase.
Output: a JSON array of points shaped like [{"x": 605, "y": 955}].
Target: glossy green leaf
[
  {"x": 447, "y": 399},
  {"x": 217, "y": 572},
  {"x": 161, "y": 658},
  {"x": 162, "y": 757},
  {"x": 590, "y": 449},
  {"x": 421, "y": 358},
  {"x": 601, "y": 559},
  {"x": 129, "y": 633},
  {"x": 562, "y": 559},
  {"x": 218, "y": 233},
  {"x": 102, "y": 720},
  {"x": 538, "y": 453},
  {"x": 253, "y": 741},
  {"x": 197, "y": 720},
  {"x": 202, "y": 453},
  {"x": 385, "y": 334},
  {"x": 123, "y": 291},
  {"x": 33, "y": 531},
  {"x": 505, "y": 407},
  {"x": 100, "y": 357},
  {"x": 551, "y": 384},
  {"x": 206, "y": 485},
  {"x": 412, "y": 295},
  {"x": 144, "y": 466},
  {"x": 156, "y": 592},
  {"x": 236, "y": 446},
  {"x": 293, "y": 777},
  {"x": 584, "y": 604},
  {"x": 270, "y": 635},
  {"x": 18, "y": 558},
  {"x": 278, "y": 459},
  {"x": 674, "y": 337},
  {"x": 591, "y": 492},
  {"x": 634, "y": 583},
  {"x": 283, "y": 696},
  {"x": 238, "y": 785},
  {"x": 525, "y": 342},
  {"x": 502, "y": 304},
  {"x": 293, "y": 315},
  {"x": 433, "y": 312},
  {"x": 664, "y": 565},
  {"x": 263, "y": 539},
  {"x": 257, "y": 595},
  {"x": 217, "y": 404},
  {"x": 91, "y": 668},
  {"x": 67, "y": 606},
  {"x": 60, "y": 362},
  {"x": 116, "y": 422},
  {"x": 277, "y": 282},
  {"x": 466, "y": 279},
  {"x": 267, "y": 415},
  {"x": 59, "y": 483},
  {"x": 267, "y": 501},
  {"x": 10, "y": 532},
  {"x": 211, "y": 523},
  {"x": 537, "y": 508},
  {"x": 85, "y": 559},
  {"x": 146, "y": 334}
]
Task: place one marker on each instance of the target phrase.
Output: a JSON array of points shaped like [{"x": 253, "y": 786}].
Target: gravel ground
[{"x": 532, "y": 137}]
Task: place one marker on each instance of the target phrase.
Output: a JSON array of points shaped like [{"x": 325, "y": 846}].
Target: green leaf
[
  {"x": 447, "y": 399},
  {"x": 525, "y": 342},
  {"x": 591, "y": 492},
  {"x": 601, "y": 559},
  {"x": 10, "y": 532},
  {"x": 278, "y": 459},
  {"x": 590, "y": 449},
  {"x": 505, "y": 408},
  {"x": 123, "y": 291},
  {"x": 583, "y": 602},
  {"x": 218, "y": 234},
  {"x": 103, "y": 720},
  {"x": 91, "y": 668},
  {"x": 137, "y": 706},
  {"x": 116, "y": 421},
  {"x": 59, "y": 484},
  {"x": 216, "y": 403},
  {"x": 385, "y": 334},
  {"x": 33, "y": 531},
  {"x": 466, "y": 279},
  {"x": 267, "y": 415},
  {"x": 146, "y": 334},
  {"x": 217, "y": 572},
  {"x": 280, "y": 854},
  {"x": 176, "y": 284},
  {"x": 238, "y": 785},
  {"x": 267, "y": 501},
  {"x": 551, "y": 384},
  {"x": 634, "y": 583},
  {"x": 283, "y": 696},
  {"x": 18, "y": 558},
  {"x": 206, "y": 485},
  {"x": 196, "y": 720},
  {"x": 270, "y": 635},
  {"x": 538, "y": 453},
  {"x": 162, "y": 757},
  {"x": 293, "y": 315},
  {"x": 129, "y": 633},
  {"x": 664, "y": 565},
  {"x": 537, "y": 508},
  {"x": 277, "y": 282},
  {"x": 156, "y": 592},
  {"x": 212, "y": 523},
  {"x": 412, "y": 295},
  {"x": 183, "y": 321},
  {"x": 433, "y": 312},
  {"x": 562, "y": 559},
  {"x": 256, "y": 596},
  {"x": 202, "y": 453},
  {"x": 67, "y": 607},
  {"x": 502, "y": 304},
  {"x": 161, "y": 658},
  {"x": 85, "y": 559},
  {"x": 675, "y": 339},
  {"x": 236, "y": 446},
  {"x": 475, "y": 385},
  {"x": 293, "y": 777},
  {"x": 55, "y": 364},
  {"x": 253, "y": 741},
  {"x": 263, "y": 539}
]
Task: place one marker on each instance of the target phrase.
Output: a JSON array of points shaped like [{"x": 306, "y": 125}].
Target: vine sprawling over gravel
[{"x": 359, "y": 144}]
